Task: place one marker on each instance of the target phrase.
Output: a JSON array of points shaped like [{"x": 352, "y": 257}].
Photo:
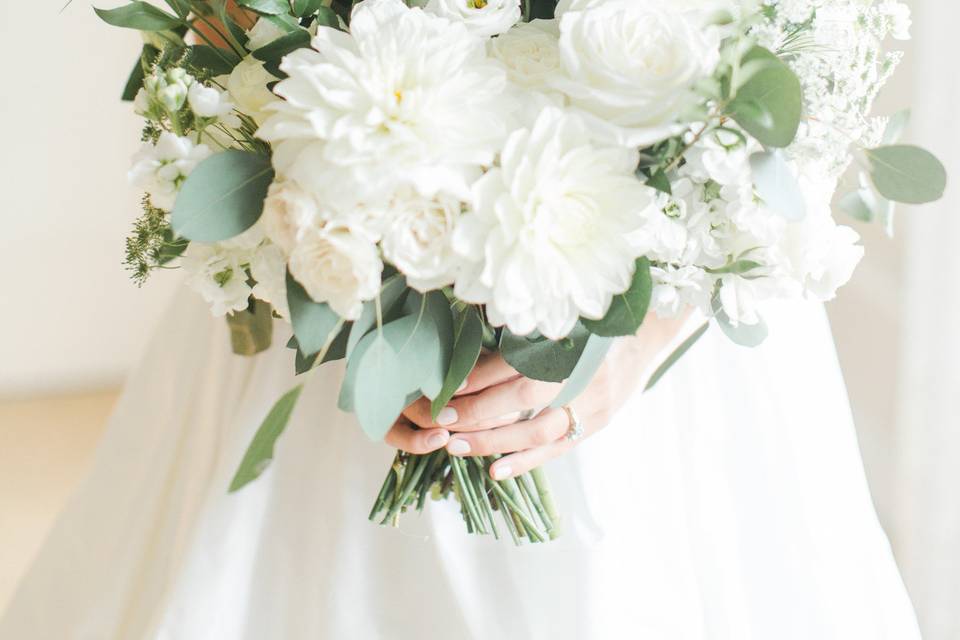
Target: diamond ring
[{"x": 575, "y": 430}]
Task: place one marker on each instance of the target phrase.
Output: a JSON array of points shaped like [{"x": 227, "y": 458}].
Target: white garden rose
[
  {"x": 405, "y": 98},
  {"x": 547, "y": 239},
  {"x": 530, "y": 52},
  {"x": 338, "y": 267},
  {"x": 483, "y": 18},
  {"x": 247, "y": 85},
  {"x": 633, "y": 64},
  {"x": 417, "y": 239},
  {"x": 288, "y": 212},
  {"x": 160, "y": 169},
  {"x": 268, "y": 266}
]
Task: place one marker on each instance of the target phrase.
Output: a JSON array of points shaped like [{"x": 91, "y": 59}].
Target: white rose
[
  {"x": 633, "y": 65},
  {"x": 530, "y": 52},
  {"x": 208, "y": 102},
  {"x": 268, "y": 266},
  {"x": 417, "y": 239},
  {"x": 821, "y": 255},
  {"x": 287, "y": 212},
  {"x": 263, "y": 33},
  {"x": 483, "y": 18},
  {"x": 247, "y": 85},
  {"x": 337, "y": 267},
  {"x": 160, "y": 169},
  {"x": 548, "y": 236}
]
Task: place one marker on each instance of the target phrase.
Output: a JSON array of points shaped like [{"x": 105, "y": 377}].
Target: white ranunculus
[
  {"x": 547, "y": 238},
  {"x": 483, "y": 18},
  {"x": 208, "y": 102},
  {"x": 288, "y": 212},
  {"x": 338, "y": 267},
  {"x": 247, "y": 85},
  {"x": 263, "y": 32},
  {"x": 406, "y": 98},
  {"x": 160, "y": 169},
  {"x": 530, "y": 52},
  {"x": 632, "y": 64},
  {"x": 417, "y": 239}
]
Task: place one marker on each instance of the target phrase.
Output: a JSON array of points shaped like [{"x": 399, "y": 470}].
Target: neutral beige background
[{"x": 71, "y": 324}]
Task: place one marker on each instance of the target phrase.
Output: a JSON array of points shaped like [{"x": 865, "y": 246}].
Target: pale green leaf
[
  {"x": 141, "y": 16},
  {"x": 905, "y": 173},
  {"x": 675, "y": 356},
  {"x": 777, "y": 185},
  {"x": 260, "y": 452},
  {"x": 586, "y": 368},
  {"x": 468, "y": 340},
  {"x": 312, "y": 321},
  {"x": 769, "y": 104},
  {"x": 628, "y": 309}
]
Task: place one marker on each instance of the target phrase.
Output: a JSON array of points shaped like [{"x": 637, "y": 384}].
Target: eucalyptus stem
[{"x": 546, "y": 499}]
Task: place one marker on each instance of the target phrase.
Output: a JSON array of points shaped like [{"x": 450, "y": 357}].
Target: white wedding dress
[{"x": 729, "y": 503}]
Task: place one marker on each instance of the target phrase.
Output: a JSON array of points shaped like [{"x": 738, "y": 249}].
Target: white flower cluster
[{"x": 468, "y": 149}]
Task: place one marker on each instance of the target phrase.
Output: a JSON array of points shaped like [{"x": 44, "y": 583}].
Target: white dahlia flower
[{"x": 547, "y": 237}]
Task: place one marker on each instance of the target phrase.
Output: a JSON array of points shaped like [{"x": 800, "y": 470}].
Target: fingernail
[
  {"x": 463, "y": 385},
  {"x": 502, "y": 472},
  {"x": 447, "y": 416},
  {"x": 458, "y": 447},
  {"x": 437, "y": 440}
]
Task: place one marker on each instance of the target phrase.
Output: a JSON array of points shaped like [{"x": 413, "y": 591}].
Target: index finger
[{"x": 491, "y": 370}]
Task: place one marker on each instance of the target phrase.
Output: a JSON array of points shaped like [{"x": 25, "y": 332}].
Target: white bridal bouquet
[{"x": 408, "y": 184}]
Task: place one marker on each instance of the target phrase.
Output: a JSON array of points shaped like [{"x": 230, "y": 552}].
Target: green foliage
[
  {"x": 223, "y": 196},
  {"x": 139, "y": 15},
  {"x": 542, "y": 359},
  {"x": 152, "y": 244},
  {"x": 905, "y": 173},
  {"x": 586, "y": 368},
  {"x": 313, "y": 322},
  {"x": 285, "y": 44},
  {"x": 769, "y": 104},
  {"x": 305, "y": 7},
  {"x": 392, "y": 294},
  {"x": 260, "y": 452},
  {"x": 266, "y": 7},
  {"x": 745, "y": 335},
  {"x": 659, "y": 181},
  {"x": 776, "y": 184},
  {"x": 896, "y": 126},
  {"x": 676, "y": 355},
  {"x": 467, "y": 343},
  {"x": 628, "y": 309},
  {"x": 251, "y": 330}
]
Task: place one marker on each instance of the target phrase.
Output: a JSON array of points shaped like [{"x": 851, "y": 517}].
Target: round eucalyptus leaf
[
  {"x": 379, "y": 396},
  {"x": 222, "y": 197},
  {"x": 770, "y": 102},
  {"x": 542, "y": 359},
  {"x": 905, "y": 173},
  {"x": 312, "y": 321},
  {"x": 628, "y": 309},
  {"x": 468, "y": 341}
]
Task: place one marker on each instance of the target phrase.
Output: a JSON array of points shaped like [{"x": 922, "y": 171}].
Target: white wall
[{"x": 69, "y": 316}]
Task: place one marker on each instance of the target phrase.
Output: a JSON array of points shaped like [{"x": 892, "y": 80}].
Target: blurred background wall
[{"x": 72, "y": 323}]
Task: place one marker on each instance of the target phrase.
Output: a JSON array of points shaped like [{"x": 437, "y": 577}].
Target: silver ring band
[
  {"x": 526, "y": 415},
  {"x": 575, "y": 430}
]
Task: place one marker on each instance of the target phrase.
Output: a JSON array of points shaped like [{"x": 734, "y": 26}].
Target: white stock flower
[
  {"x": 417, "y": 239},
  {"x": 208, "y": 102},
  {"x": 483, "y": 18},
  {"x": 548, "y": 231},
  {"x": 406, "y": 97},
  {"x": 160, "y": 169},
  {"x": 217, "y": 273},
  {"x": 247, "y": 85},
  {"x": 338, "y": 267},
  {"x": 633, "y": 64},
  {"x": 288, "y": 212}
]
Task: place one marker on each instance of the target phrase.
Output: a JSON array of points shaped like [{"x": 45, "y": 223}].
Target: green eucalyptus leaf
[
  {"x": 777, "y": 185},
  {"x": 855, "y": 206},
  {"x": 896, "y": 126},
  {"x": 379, "y": 394},
  {"x": 141, "y": 16},
  {"x": 628, "y": 309},
  {"x": 223, "y": 196},
  {"x": 251, "y": 330},
  {"x": 905, "y": 173},
  {"x": 660, "y": 182},
  {"x": 312, "y": 321},
  {"x": 467, "y": 343},
  {"x": 770, "y": 102},
  {"x": 266, "y": 7},
  {"x": 542, "y": 359},
  {"x": 305, "y": 7},
  {"x": 439, "y": 313},
  {"x": 391, "y": 292},
  {"x": 327, "y": 17},
  {"x": 745, "y": 335},
  {"x": 285, "y": 44},
  {"x": 336, "y": 351},
  {"x": 583, "y": 373},
  {"x": 260, "y": 452},
  {"x": 676, "y": 355}
]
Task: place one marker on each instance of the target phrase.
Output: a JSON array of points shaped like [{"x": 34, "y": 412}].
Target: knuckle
[
  {"x": 541, "y": 433},
  {"x": 528, "y": 392}
]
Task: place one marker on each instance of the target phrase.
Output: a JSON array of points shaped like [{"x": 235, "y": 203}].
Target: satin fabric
[{"x": 728, "y": 503}]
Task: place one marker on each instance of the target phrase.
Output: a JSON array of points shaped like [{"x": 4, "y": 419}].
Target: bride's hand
[{"x": 483, "y": 417}]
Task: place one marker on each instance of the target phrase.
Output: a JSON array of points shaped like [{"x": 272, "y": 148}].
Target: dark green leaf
[
  {"x": 326, "y": 17},
  {"x": 905, "y": 173},
  {"x": 305, "y": 7},
  {"x": 283, "y": 45},
  {"x": 676, "y": 355},
  {"x": 139, "y": 15},
  {"x": 438, "y": 312},
  {"x": 251, "y": 330},
  {"x": 260, "y": 452},
  {"x": 312, "y": 321},
  {"x": 173, "y": 247},
  {"x": 542, "y": 359},
  {"x": 223, "y": 196},
  {"x": 660, "y": 182},
  {"x": 587, "y": 366},
  {"x": 135, "y": 81},
  {"x": 336, "y": 351},
  {"x": 217, "y": 61},
  {"x": 266, "y": 7},
  {"x": 468, "y": 339},
  {"x": 628, "y": 309},
  {"x": 770, "y": 103}
]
